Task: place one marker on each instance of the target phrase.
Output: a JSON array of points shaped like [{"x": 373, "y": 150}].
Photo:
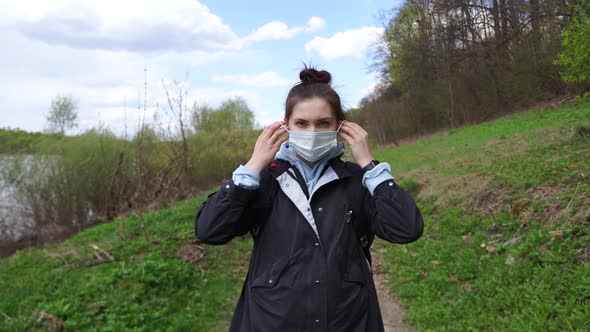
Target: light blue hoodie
[
  {"x": 250, "y": 179},
  {"x": 311, "y": 175}
]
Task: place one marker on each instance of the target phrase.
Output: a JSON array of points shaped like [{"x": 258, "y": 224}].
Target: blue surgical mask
[{"x": 313, "y": 145}]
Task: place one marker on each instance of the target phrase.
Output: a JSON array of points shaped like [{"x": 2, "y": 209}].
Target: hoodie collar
[
  {"x": 284, "y": 159},
  {"x": 288, "y": 154}
]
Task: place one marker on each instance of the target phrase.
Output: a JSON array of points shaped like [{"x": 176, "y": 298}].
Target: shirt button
[
  {"x": 317, "y": 321},
  {"x": 227, "y": 186},
  {"x": 270, "y": 281},
  {"x": 317, "y": 281},
  {"x": 390, "y": 184},
  {"x": 316, "y": 244},
  {"x": 320, "y": 209},
  {"x": 308, "y": 209}
]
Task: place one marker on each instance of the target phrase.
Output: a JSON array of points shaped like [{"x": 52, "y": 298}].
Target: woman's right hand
[{"x": 267, "y": 145}]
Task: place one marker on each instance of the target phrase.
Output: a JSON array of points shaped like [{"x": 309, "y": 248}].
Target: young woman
[{"x": 313, "y": 218}]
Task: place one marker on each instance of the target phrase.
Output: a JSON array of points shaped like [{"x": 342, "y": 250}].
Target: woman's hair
[{"x": 314, "y": 84}]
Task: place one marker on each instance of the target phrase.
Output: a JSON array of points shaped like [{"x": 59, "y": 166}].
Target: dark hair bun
[{"x": 311, "y": 75}]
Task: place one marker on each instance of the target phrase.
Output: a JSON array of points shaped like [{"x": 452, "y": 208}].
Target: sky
[{"x": 103, "y": 54}]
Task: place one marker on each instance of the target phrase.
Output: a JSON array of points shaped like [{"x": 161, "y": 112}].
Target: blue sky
[{"x": 96, "y": 51}]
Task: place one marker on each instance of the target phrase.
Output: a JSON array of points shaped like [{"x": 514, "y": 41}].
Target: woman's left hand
[{"x": 358, "y": 139}]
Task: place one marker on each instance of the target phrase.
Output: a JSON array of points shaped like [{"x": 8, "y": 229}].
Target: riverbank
[{"x": 118, "y": 276}]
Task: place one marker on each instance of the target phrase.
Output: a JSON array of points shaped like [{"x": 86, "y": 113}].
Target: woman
[{"x": 312, "y": 217}]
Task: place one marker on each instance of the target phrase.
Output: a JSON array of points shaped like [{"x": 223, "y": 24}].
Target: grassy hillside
[
  {"x": 506, "y": 245},
  {"x": 166, "y": 282}
]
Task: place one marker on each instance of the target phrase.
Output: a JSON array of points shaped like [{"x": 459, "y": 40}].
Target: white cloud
[
  {"x": 369, "y": 89},
  {"x": 315, "y": 23},
  {"x": 277, "y": 30},
  {"x": 100, "y": 79},
  {"x": 353, "y": 43},
  {"x": 214, "y": 96},
  {"x": 374, "y": 81},
  {"x": 265, "y": 79},
  {"x": 272, "y": 31},
  {"x": 97, "y": 52},
  {"x": 146, "y": 26}
]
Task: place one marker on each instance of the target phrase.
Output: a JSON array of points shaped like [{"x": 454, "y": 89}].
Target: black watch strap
[{"x": 371, "y": 165}]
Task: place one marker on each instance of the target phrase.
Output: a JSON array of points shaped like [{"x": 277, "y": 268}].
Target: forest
[{"x": 445, "y": 64}]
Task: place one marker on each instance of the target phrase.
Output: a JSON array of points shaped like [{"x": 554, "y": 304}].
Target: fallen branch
[
  {"x": 202, "y": 272},
  {"x": 93, "y": 263},
  {"x": 168, "y": 236},
  {"x": 573, "y": 196},
  {"x": 5, "y": 315},
  {"x": 97, "y": 248}
]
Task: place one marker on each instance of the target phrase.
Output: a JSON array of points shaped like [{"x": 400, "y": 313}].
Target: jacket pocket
[
  {"x": 275, "y": 304},
  {"x": 352, "y": 300},
  {"x": 354, "y": 273},
  {"x": 270, "y": 277}
]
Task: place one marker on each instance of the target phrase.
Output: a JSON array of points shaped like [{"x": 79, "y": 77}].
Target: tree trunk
[{"x": 535, "y": 31}]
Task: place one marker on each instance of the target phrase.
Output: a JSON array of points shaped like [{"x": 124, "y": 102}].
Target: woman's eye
[
  {"x": 325, "y": 124},
  {"x": 300, "y": 124}
]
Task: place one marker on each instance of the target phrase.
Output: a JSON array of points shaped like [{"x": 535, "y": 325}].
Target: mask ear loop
[
  {"x": 284, "y": 127},
  {"x": 341, "y": 123}
]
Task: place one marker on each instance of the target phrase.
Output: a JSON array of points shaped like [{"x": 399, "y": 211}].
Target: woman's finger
[
  {"x": 265, "y": 131},
  {"x": 359, "y": 133},
  {"x": 278, "y": 132},
  {"x": 350, "y": 129},
  {"x": 350, "y": 132},
  {"x": 269, "y": 130},
  {"x": 282, "y": 140},
  {"x": 347, "y": 137},
  {"x": 358, "y": 128}
]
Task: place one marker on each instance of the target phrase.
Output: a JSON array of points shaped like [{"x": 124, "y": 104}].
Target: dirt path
[{"x": 391, "y": 311}]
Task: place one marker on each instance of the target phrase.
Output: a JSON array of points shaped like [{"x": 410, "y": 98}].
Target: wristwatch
[{"x": 371, "y": 165}]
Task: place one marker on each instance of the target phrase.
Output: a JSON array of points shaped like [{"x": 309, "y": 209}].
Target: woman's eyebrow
[{"x": 318, "y": 120}]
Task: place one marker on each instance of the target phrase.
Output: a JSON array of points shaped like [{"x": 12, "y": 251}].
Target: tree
[
  {"x": 575, "y": 57},
  {"x": 239, "y": 114},
  {"x": 63, "y": 114},
  {"x": 233, "y": 114}
]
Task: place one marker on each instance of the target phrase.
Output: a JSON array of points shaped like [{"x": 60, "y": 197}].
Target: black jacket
[{"x": 296, "y": 280}]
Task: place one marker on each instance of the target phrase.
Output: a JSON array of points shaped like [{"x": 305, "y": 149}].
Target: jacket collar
[
  {"x": 341, "y": 168},
  {"x": 344, "y": 169}
]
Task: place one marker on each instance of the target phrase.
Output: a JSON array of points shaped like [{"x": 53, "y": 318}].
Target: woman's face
[{"x": 313, "y": 114}]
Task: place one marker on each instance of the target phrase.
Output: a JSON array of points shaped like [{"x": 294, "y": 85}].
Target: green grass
[
  {"x": 506, "y": 244},
  {"x": 148, "y": 286}
]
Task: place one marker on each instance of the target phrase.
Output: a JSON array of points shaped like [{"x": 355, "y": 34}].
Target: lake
[{"x": 14, "y": 218}]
